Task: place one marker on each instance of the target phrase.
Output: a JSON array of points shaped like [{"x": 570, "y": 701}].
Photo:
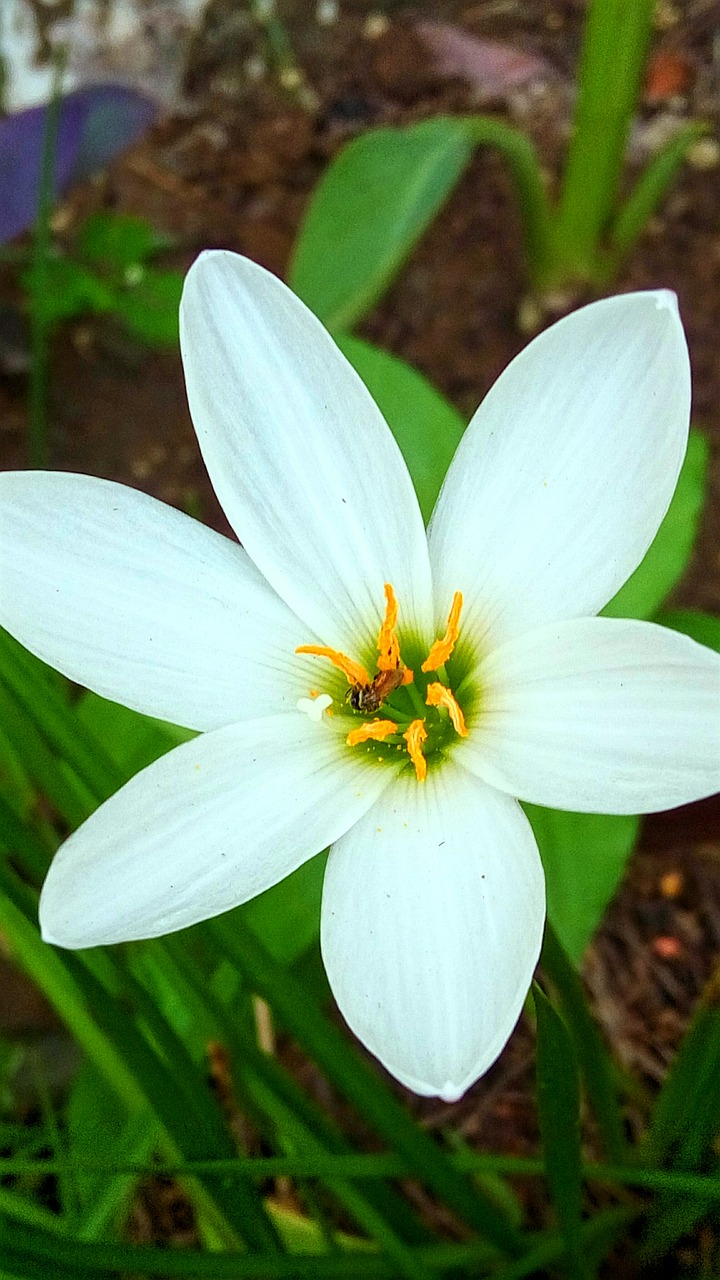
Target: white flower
[{"x": 433, "y": 903}]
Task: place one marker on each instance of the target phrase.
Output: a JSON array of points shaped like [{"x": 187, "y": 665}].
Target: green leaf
[
  {"x": 118, "y": 240},
  {"x": 681, "y": 1111},
  {"x": 133, "y": 740},
  {"x": 149, "y": 308},
  {"x": 167, "y": 1089},
  {"x": 584, "y": 856},
  {"x": 612, "y": 64},
  {"x": 297, "y": 1123},
  {"x": 45, "y": 770},
  {"x": 426, "y": 426},
  {"x": 558, "y": 1098},
  {"x": 668, "y": 555},
  {"x": 592, "y": 1055},
  {"x": 15, "y": 785},
  {"x": 369, "y": 210},
  {"x": 684, "y": 1122},
  {"x": 352, "y": 1075},
  {"x": 529, "y": 178},
  {"x": 703, "y": 627},
  {"x": 97, "y": 1121},
  {"x": 287, "y": 917},
  {"x": 67, "y": 289},
  {"x": 650, "y": 189}
]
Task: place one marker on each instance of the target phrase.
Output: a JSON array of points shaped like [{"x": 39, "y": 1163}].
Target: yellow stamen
[
  {"x": 438, "y": 696},
  {"x": 415, "y": 736},
  {"x": 378, "y": 730},
  {"x": 388, "y": 643},
  {"x": 354, "y": 672},
  {"x": 441, "y": 649}
]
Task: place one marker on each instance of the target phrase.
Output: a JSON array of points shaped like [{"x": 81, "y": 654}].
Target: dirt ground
[{"x": 234, "y": 168}]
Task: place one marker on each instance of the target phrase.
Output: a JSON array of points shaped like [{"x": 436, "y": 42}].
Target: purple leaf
[
  {"x": 95, "y": 124},
  {"x": 116, "y": 117},
  {"x": 492, "y": 68}
]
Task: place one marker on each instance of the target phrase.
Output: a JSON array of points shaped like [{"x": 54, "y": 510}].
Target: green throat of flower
[{"x": 410, "y": 710}]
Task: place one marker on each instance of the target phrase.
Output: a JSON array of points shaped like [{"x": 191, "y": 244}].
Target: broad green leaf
[
  {"x": 558, "y": 1100},
  {"x": 584, "y": 856},
  {"x": 150, "y": 308},
  {"x": 426, "y": 426},
  {"x": 67, "y": 289},
  {"x": 118, "y": 240},
  {"x": 668, "y": 555},
  {"x": 369, "y": 210},
  {"x": 133, "y": 740},
  {"x": 287, "y": 917},
  {"x": 703, "y": 627}
]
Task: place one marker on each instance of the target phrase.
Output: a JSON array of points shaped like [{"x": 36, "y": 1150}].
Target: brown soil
[{"x": 235, "y": 170}]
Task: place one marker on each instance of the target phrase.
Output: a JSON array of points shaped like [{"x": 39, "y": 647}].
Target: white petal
[
  {"x": 142, "y": 604},
  {"x": 299, "y": 454},
  {"x": 432, "y": 918},
  {"x": 208, "y": 826},
  {"x": 565, "y": 472},
  {"x": 599, "y": 715}
]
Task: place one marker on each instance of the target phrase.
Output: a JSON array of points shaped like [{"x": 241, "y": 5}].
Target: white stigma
[{"x": 314, "y": 707}]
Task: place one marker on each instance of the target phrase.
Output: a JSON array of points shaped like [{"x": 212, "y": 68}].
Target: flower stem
[
  {"x": 611, "y": 70},
  {"x": 37, "y": 277}
]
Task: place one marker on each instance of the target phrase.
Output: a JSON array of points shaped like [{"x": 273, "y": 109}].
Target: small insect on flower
[{"x": 368, "y": 698}]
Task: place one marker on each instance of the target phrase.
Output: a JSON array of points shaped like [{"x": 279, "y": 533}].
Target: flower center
[{"x": 414, "y": 712}]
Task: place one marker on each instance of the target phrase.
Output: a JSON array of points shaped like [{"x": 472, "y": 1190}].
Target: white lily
[{"x": 475, "y": 669}]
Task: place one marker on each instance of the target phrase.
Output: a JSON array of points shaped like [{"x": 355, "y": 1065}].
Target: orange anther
[
  {"x": 388, "y": 643},
  {"x": 378, "y": 730},
  {"x": 438, "y": 696},
  {"x": 354, "y": 672},
  {"x": 415, "y": 736},
  {"x": 441, "y": 649}
]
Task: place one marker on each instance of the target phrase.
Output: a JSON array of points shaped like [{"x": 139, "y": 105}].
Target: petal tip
[
  {"x": 666, "y": 300},
  {"x": 453, "y": 1092}
]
